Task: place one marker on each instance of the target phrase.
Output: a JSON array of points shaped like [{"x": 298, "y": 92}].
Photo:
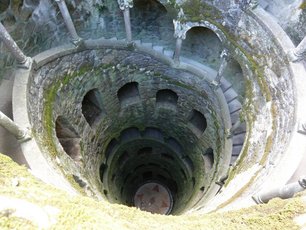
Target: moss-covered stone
[
  {"x": 197, "y": 10},
  {"x": 85, "y": 213}
]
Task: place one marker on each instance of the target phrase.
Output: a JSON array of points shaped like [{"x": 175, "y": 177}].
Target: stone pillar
[
  {"x": 284, "y": 192},
  {"x": 13, "y": 128},
  {"x": 180, "y": 30},
  {"x": 76, "y": 40},
  {"x": 224, "y": 61},
  {"x": 298, "y": 53},
  {"x": 178, "y": 47},
  {"x": 10, "y": 44},
  {"x": 125, "y": 6}
]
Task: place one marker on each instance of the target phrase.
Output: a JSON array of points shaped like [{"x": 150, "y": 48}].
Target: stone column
[
  {"x": 10, "y": 44},
  {"x": 13, "y": 128},
  {"x": 284, "y": 192},
  {"x": 180, "y": 30},
  {"x": 224, "y": 61},
  {"x": 76, "y": 40},
  {"x": 125, "y": 6},
  {"x": 298, "y": 53}
]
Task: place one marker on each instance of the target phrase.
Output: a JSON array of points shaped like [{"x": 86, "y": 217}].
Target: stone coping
[
  {"x": 277, "y": 173},
  {"x": 296, "y": 148}
]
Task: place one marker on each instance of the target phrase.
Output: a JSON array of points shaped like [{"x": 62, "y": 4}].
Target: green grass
[{"x": 79, "y": 212}]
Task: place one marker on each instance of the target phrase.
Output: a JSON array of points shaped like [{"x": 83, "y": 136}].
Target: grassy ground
[{"x": 27, "y": 203}]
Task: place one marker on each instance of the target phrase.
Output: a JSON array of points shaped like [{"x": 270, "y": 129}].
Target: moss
[
  {"x": 74, "y": 184},
  {"x": 268, "y": 147},
  {"x": 269, "y": 143},
  {"x": 249, "y": 110},
  {"x": 303, "y": 5},
  {"x": 248, "y": 114},
  {"x": 256, "y": 69},
  {"x": 11, "y": 222},
  {"x": 197, "y": 10},
  {"x": 82, "y": 212},
  {"x": 48, "y": 120},
  {"x": 49, "y": 98},
  {"x": 239, "y": 167}
]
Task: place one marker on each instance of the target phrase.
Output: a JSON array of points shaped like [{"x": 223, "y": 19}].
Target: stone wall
[{"x": 58, "y": 89}]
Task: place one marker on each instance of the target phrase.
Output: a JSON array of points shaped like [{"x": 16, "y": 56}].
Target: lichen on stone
[{"x": 85, "y": 213}]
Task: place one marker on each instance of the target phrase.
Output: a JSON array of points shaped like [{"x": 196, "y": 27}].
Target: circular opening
[{"x": 153, "y": 197}]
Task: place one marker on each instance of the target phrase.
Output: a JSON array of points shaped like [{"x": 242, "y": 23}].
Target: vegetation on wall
[{"x": 66, "y": 211}]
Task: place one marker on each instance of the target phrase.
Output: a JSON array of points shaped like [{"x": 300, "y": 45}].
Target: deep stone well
[
  {"x": 210, "y": 109},
  {"x": 128, "y": 117}
]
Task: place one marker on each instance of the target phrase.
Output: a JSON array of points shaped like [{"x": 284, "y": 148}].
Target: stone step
[
  {"x": 236, "y": 150},
  {"x": 168, "y": 53},
  {"x": 241, "y": 129},
  {"x": 230, "y": 95},
  {"x": 233, "y": 160},
  {"x": 263, "y": 4},
  {"x": 234, "y": 106},
  {"x": 238, "y": 139},
  {"x": 235, "y": 117},
  {"x": 159, "y": 49},
  {"x": 147, "y": 45},
  {"x": 138, "y": 42},
  {"x": 225, "y": 85}
]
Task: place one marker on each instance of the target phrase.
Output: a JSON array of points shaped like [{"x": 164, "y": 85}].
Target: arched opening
[
  {"x": 234, "y": 75},
  {"x": 151, "y": 22},
  {"x": 68, "y": 138},
  {"x": 92, "y": 106},
  {"x": 197, "y": 122},
  {"x": 128, "y": 94},
  {"x": 202, "y": 45},
  {"x": 166, "y": 98},
  {"x": 208, "y": 157}
]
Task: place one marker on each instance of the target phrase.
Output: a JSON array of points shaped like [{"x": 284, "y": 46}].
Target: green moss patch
[
  {"x": 303, "y": 5},
  {"x": 197, "y": 10},
  {"x": 79, "y": 212}
]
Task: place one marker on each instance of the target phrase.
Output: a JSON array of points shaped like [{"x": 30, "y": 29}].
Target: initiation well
[
  {"x": 117, "y": 123},
  {"x": 198, "y": 107}
]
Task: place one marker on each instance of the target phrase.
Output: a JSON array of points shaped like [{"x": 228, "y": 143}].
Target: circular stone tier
[{"x": 114, "y": 119}]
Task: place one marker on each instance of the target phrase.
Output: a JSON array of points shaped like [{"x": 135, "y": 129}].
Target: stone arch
[
  {"x": 68, "y": 138},
  {"x": 92, "y": 108},
  {"x": 204, "y": 45},
  {"x": 128, "y": 94},
  {"x": 166, "y": 98},
  {"x": 150, "y": 20},
  {"x": 197, "y": 122}
]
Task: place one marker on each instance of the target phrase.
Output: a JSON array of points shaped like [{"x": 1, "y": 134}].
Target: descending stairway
[
  {"x": 230, "y": 95},
  {"x": 234, "y": 107}
]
